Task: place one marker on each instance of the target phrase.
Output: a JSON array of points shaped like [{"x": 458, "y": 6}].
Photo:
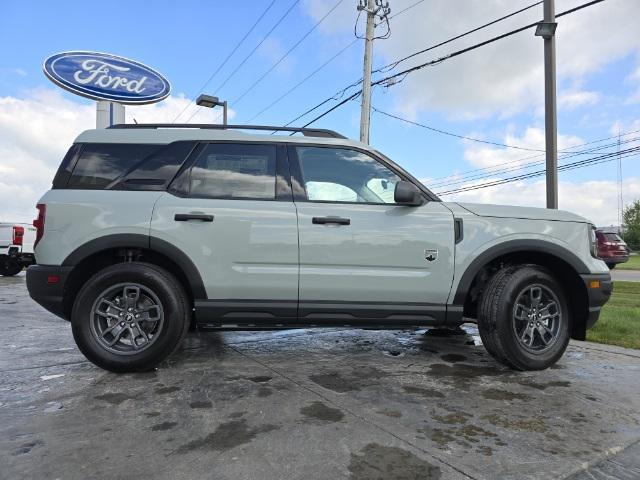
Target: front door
[
  {"x": 231, "y": 212},
  {"x": 364, "y": 258}
]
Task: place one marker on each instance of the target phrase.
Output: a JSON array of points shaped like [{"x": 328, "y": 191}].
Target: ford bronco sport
[{"x": 150, "y": 228}]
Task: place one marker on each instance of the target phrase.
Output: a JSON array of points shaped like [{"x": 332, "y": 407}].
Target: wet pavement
[{"x": 309, "y": 404}]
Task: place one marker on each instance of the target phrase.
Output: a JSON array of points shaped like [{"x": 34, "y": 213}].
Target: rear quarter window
[{"x": 100, "y": 166}]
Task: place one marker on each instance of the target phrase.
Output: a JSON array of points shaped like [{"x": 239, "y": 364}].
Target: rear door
[
  {"x": 364, "y": 258},
  {"x": 231, "y": 212}
]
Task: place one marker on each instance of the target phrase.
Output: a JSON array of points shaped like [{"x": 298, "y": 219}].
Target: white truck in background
[{"x": 16, "y": 247}]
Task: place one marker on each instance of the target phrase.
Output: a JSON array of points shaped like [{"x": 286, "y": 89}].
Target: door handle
[
  {"x": 184, "y": 217},
  {"x": 326, "y": 220}
]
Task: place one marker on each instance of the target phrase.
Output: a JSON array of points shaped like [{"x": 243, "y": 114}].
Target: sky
[{"x": 302, "y": 52}]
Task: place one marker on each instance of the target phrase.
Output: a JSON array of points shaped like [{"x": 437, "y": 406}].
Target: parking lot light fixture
[{"x": 210, "y": 101}]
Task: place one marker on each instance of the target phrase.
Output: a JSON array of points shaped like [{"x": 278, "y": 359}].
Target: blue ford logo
[{"x": 102, "y": 76}]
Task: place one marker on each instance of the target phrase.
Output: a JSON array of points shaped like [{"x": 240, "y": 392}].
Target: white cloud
[
  {"x": 595, "y": 200},
  {"x": 502, "y": 78},
  {"x": 571, "y": 99},
  {"x": 37, "y": 129},
  {"x": 483, "y": 156}
]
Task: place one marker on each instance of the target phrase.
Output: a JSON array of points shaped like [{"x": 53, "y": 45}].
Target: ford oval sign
[{"x": 103, "y": 76}]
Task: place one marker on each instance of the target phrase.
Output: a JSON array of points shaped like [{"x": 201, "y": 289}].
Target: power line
[
  {"x": 444, "y": 132},
  {"x": 338, "y": 94},
  {"x": 515, "y": 168},
  {"x": 255, "y": 83},
  {"x": 458, "y": 175},
  {"x": 392, "y": 65},
  {"x": 570, "y": 166},
  {"x": 204, "y": 85},
  {"x": 439, "y": 60},
  {"x": 288, "y": 92},
  {"x": 250, "y": 54}
]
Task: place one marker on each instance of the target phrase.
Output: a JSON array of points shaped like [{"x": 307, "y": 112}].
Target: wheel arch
[
  {"x": 561, "y": 262},
  {"x": 101, "y": 252}
]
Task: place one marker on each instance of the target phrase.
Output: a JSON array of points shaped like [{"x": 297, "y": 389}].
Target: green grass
[
  {"x": 632, "y": 264},
  {"x": 619, "y": 322}
]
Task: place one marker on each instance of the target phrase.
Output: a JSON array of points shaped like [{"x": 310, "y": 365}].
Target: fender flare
[
  {"x": 145, "y": 242},
  {"x": 515, "y": 246}
]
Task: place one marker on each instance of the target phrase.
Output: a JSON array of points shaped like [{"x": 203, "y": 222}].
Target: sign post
[
  {"x": 112, "y": 80},
  {"x": 109, "y": 113}
]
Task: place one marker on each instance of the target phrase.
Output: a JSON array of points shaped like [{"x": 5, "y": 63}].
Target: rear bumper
[
  {"x": 615, "y": 259},
  {"x": 16, "y": 253},
  {"x": 598, "y": 295},
  {"x": 46, "y": 286}
]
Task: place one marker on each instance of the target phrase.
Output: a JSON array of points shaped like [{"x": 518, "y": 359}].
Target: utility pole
[
  {"x": 373, "y": 8},
  {"x": 547, "y": 30}
]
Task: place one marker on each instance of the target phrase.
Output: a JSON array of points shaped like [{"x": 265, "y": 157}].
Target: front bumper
[
  {"x": 599, "y": 289},
  {"x": 46, "y": 286}
]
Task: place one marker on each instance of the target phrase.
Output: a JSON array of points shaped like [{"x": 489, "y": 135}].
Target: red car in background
[{"x": 611, "y": 248}]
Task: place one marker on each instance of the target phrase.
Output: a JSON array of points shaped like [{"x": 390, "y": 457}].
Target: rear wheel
[
  {"x": 523, "y": 318},
  {"x": 9, "y": 267},
  {"x": 129, "y": 317},
  {"x": 611, "y": 266}
]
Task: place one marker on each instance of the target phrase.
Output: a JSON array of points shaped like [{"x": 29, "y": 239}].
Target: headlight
[{"x": 593, "y": 241}]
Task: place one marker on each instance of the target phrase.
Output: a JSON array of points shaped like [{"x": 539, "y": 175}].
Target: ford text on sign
[{"x": 102, "y": 76}]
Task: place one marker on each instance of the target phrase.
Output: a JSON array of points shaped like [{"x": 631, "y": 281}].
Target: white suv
[{"x": 148, "y": 229}]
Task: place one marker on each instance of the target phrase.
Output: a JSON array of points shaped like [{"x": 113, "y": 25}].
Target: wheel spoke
[
  {"x": 545, "y": 311},
  {"x": 141, "y": 332},
  {"x": 109, "y": 315},
  {"x": 131, "y": 295},
  {"x": 543, "y": 331},
  {"x": 535, "y": 295},
  {"x": 150, "y": 314},
  {"x": 116, "y": 331},
  {"x": 522, "y": 312}
]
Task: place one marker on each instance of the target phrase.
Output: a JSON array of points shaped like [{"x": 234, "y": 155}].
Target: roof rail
[{"x": 307, "y": 132}]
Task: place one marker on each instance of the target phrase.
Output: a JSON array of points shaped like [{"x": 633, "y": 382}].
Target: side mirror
[{"x": 407, "y": 193}]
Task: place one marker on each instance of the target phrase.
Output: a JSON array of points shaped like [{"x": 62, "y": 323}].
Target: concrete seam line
[
  {"x": 606, "y": 455},
  {"x": 604, "y": 350},
  {"x": 365, "y": 420},
  {"x": 44, "y": 366}
]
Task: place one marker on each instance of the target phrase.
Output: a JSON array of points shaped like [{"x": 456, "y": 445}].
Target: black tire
[
  {"x": 498, "y": 326},
  {"x": 158, "y": 284},
  {"x": 9, "y": 267},
  {"x": 611, "y": 266}
]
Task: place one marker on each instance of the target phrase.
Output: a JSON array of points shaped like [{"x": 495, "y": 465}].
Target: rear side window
[
  {"x": 244, "y": 171},
  {"x": 99, "y": 164}
]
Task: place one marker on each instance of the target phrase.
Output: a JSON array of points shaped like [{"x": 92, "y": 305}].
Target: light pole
[
  {"x": 547, "y": 30},
  {"x": 210, "y": 102}
]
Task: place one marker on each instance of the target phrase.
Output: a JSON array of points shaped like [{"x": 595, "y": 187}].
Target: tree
[{"x": 632, "y": 225}]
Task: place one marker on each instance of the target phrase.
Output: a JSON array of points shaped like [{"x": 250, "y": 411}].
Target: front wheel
[
  {"x": 611, "y": 266},
  {"x": 524, "y": 318},
  {"x": 9, "y": 266},
  {"x": 129, "y": 317}
]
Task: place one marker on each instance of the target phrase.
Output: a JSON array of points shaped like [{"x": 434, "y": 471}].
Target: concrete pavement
[
  {"x": 305, "y": 404},
  {"x": 625, "y": 275}
]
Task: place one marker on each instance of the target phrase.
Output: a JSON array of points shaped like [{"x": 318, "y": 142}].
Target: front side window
[
  {"x": 344, "y": 175},
  {"x": 235, "y": 171}
]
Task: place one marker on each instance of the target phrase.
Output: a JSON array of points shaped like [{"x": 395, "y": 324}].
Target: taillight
[
  {"x": 39, "y": 222},
  {"x": 18, "y": 235}
]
